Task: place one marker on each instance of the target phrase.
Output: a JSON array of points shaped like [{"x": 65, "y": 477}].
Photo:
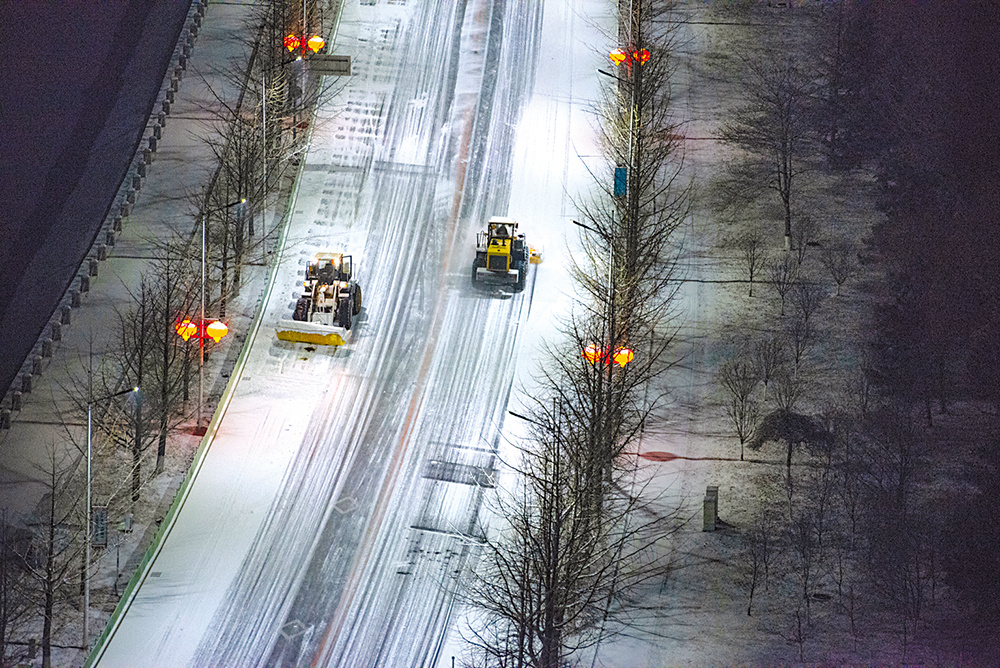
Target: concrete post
[
  {"x": 141, "y": 168},
  {"x": 16, "y": 400},
  {"x": 84, "y": 283},
  {"x": 47, "y": 348},
  {"x": 152, "y": 144},
  {"x": 124, "y": 209},
  {"x": 109, "y": 238},
  {"x": 117, "y": 224},
  {"x": 157, "y": 132},
  {"x": 174, "y": 85},
  {"x": 713, "y": 491},
  {"x": 56, "y": 331},
  {"x": 25, "y": 383},
  {"x": 102, "y": 252},
  {"x": 36, "y": 365},
  {"x": 165, "y": 106},
  {"x": 170, "y": 95},
  {"x": 4, "y": 419},
  {"x": 66, "y": 311},
  {"x": 136, "y": 182},
  {"x": 161, "y": 118},
  {"x": 74, "y": 298},
  {"x": 147, "y": 156},
  {"x": 93, "y": 266},
  {"x": 709, "y": 514}
]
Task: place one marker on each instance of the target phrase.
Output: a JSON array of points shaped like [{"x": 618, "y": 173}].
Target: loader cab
[
  {"x": 498, "y": 250},
  {"x": 329, "y": 268}
]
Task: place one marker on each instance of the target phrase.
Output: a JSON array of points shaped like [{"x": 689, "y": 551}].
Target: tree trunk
[{"x": 49, "y": 585}]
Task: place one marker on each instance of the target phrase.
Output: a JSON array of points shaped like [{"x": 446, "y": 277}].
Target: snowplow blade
[{"x": 307, "y": 332}]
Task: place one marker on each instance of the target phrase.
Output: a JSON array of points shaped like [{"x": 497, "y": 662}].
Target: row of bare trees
[{"x": 581, "y": 533}]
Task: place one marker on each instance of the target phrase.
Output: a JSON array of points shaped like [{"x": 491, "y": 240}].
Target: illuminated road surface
[{"x": 340, "y": 497}]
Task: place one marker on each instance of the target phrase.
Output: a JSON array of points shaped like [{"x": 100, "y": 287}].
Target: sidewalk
[{"x": 181, "y": 166}]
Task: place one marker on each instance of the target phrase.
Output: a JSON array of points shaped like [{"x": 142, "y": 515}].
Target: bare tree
[
  {"x": 807, "y": 297},
  {"x": 15, "y": 604},
  {"x": 773, "y": 130},
  {"x": 799, "y": 335},
  {"x": 739, "y": 377},
  {"x": 751, "y": 248},
  {"x": 838, "y": 259},
  {"x": 804, "y": 236},
  {"x": 783, "y": 274},
  {"x": 759, "y": 553},
  {"x": 57, "y": 543},
  {"x": 768, "y": 358}
]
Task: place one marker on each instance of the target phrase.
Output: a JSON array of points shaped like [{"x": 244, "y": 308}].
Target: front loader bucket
[{"x": 307, "y": 332}]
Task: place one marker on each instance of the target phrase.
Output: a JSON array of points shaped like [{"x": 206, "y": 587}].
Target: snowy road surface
[{"x": 340, "y": 496}]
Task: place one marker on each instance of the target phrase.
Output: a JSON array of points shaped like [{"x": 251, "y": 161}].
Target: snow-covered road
[{"x": 340, "y": 496}]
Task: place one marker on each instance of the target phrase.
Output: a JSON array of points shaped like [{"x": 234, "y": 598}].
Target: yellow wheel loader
[
  {"x": 502, "y": 255},
  {"x": 324, "y": 314}
]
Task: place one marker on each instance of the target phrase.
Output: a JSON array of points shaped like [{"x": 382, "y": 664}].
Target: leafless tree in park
[
  {"x": 751, "y": 247},
  {"x": 760, "y": 547},
  {"x": 788, "y": 387},
  {"x": 839, "y": 261},
  {"x": 807, "y": 297},
  {"x": 769, "y": 358},
  {"x": 773, "y": 131},
  {"x": 783, "y": 273},
  {"x": 805, "y": 235},
  {"x": 739, "y": 378},
  {"x": 799, "y": 334}
]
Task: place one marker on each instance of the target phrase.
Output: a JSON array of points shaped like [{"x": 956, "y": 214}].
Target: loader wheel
[
  {"x": 357, "y": 299},
  {"x": 344, "y": 313},
  {"x": 522, "y": 275},
  {"x": 301, "y": 311}
]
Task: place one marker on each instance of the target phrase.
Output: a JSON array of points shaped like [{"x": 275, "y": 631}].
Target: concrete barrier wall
[{"x": 42, "y": 352}]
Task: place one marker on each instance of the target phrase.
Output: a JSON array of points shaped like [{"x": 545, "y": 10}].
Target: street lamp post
[{"x": 86, "y": 558}]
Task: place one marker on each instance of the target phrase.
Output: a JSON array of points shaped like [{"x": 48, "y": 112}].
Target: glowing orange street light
[
  {"x": 640, "y": 56},
  {"x": 592, "y": 354},
  {"x": 623, "y": 356},
  {"x": 618, "y": 56},
  {"x": 204, "y": 329},
  {"x": 216, "y": 330},
  {"x": 292, "y": 42},
  {"x": 186, "y": 329},
  {"x": 315, "y": 43}
]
